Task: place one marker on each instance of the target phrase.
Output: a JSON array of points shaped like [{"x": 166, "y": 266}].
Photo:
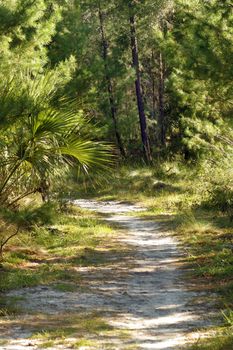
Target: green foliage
[
  {"x": 215, "y": 183},
  {"x": 220, "y": 342},
  {"x": 42, "y": 142},
  {"x": 67, "y": 85},
  {"x": 69, "y": 238},
  {"x": 197, "y": 50},
  {"x": 29, "y": 216},
  {"x": 193, "y": 40},
  {"x": 42, "y": 131},
  {"x": 27, "y": 27},
  {"x": 222, "y": 197},
  {"x": 12, "y": 222}
]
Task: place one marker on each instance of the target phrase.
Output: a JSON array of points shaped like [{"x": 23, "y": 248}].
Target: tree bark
[
  {"x": 112, "y": 104},
  {"x": 154, "y": 92},
  {"x": 140, "y": 104},
  {"x": 162, "y": 128}
]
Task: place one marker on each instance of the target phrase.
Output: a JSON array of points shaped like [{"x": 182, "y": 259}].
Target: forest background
[{"x": 142, "y": 86}]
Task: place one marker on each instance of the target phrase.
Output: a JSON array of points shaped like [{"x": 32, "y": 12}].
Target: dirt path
[{"x": 145, "y": 293}]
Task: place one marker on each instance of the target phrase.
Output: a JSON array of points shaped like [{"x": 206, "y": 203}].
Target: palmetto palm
[{"x": 42, "y": 142}]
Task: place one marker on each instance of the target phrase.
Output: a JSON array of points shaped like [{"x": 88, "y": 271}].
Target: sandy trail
[{"x": 145, "y": 293}]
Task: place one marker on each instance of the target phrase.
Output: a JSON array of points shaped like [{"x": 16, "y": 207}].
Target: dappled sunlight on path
[
  {"x": 144, "y": 293},
  {"x": 154, "y": 300}
]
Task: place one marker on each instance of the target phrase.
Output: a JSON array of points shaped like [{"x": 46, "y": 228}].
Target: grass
[
  {"x": 9, "y": 306},
  {"x": 223, "y": 340},
  {"x": 46, "y": 254},
  {"x": 72, "y": 330},
  {"x": 83, "y": 342},
  {"x": 210, "y": 249},
  {"x": 83, "y": 330},
  {"x": 65, "y": 287},
  {"x": 46, "y": 344},
  {"x": 3, "y": 342},
  {"x": 181, "y": 199},
  {"x": 172, "y": 194}
]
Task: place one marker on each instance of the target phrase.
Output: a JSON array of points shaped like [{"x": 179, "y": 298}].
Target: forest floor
[
  {"x": 147, "y": 264},
  {"x": 137, "y": 296}
]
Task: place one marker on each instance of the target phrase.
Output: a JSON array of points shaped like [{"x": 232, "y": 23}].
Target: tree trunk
[
  {"x": 135, "y": 63},
  {"x": 154, "y": 92},
  {"x": 104, "y": 43},
  {"x": 162, "y": 129}
]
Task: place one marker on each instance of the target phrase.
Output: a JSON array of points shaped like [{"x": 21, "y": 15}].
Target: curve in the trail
[
  {"x": 154, "y": 302},
  {"x": 145, "y": 293}
]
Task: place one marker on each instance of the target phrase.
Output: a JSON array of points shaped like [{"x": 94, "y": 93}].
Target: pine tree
[
  {"x": 27, "y": 27},
  {"x": 197, "y": 50},
  {"x": 112, "y": 103},
  {"x": 42, "y": 131}
]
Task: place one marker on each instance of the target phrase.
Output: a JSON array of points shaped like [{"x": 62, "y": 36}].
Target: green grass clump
[
  {"x": 47, "y": 344},
  {"x": 72, "y": 330},
  {"x": 3, "y": 342},
  {"x": 54, "y": 334},
  {"x": 47, "y": 254},
  {"x": 218, "y": 342},
  {"x": 83, "y": 342},
  {"x": 65, "y": 287},
  {"x": 9, "y": 306}
]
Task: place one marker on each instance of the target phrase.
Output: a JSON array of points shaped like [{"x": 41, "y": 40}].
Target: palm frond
[{"x": 88, "y": 153}]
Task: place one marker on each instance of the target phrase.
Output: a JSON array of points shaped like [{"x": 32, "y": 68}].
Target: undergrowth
[
  {"x": 46, "y": 253},
  {"x": 197, "y": 204},
  {"x": 191, "y": 201}
]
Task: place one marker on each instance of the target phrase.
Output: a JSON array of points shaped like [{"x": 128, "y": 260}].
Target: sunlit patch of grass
[
  {"x": 3, "y": 342},
  {"x": 132, "y": 347},
  {"x": 124, "y": 334},
  {"x": 221, "y": 341},
  {"x": 73, "y": 330},
  {"x": 53, "y": 334},
  {"x": 17, "y": 258},
  {"x": 13, "y": 278},
  {"x": 209, "y": 247},
  {"x": 48, "y": 254},
  {"x": 84, "y": 343},
  {"x": 47, "y": 344}
]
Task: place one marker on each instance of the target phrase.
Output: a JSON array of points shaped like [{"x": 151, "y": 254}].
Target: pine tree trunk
[
  {"x": 154, "y": 92},
  {"x": 104, "y": 43},
  {"x": 141, "y": 111},
  {"x": 162, "y": 129}
]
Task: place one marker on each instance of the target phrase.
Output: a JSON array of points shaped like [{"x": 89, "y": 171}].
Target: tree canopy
[{"x": 152, "y": 78}]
